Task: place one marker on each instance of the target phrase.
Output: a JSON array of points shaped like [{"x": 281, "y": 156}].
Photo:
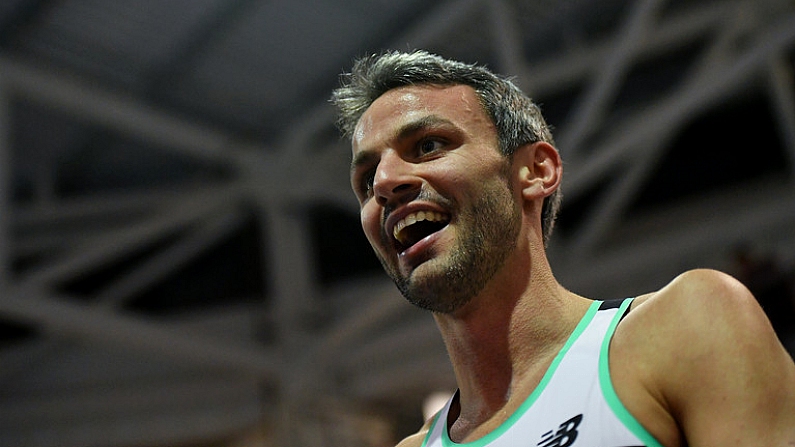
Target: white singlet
[{"x": 574, "y": 404}]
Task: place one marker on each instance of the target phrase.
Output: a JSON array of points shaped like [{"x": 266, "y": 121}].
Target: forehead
[{"x": 397, "y": 108}]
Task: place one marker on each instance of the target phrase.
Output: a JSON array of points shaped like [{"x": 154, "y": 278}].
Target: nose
[{"x": 395, "y": 179}]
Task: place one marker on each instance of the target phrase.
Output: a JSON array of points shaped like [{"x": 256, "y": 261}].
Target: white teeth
[{"x": 413, "y": 218}]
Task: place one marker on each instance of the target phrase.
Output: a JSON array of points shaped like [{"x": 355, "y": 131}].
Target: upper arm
[{"x": 724, "y": 375}]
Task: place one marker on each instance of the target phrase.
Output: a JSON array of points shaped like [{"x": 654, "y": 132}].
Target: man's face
[{"x": 435, "y": 195}]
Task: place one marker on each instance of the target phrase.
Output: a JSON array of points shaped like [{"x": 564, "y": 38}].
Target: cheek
[
  {"x": 450, "y": 177},
  {"x": 371, "y": 224}
]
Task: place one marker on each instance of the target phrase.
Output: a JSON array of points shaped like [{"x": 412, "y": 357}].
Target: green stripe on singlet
[
  {"x": 609, "y": 392},
  {"x": 482, "y": 442}
]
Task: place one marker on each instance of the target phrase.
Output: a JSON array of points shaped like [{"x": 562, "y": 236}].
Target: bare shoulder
[
  {"x": 706, "y": 309},
  {"x": 705, "y": 354},
  {"x": 700, "y": 286}
]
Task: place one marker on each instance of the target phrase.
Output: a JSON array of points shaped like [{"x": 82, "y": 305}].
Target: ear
[{"x": 540, "y": 169}]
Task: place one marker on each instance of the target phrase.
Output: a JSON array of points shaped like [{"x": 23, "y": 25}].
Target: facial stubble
[{"x": 486, "y": 236}]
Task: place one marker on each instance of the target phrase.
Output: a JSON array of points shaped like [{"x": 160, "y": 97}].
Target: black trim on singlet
[
  {"x": 611, "y": 304},
  {"x": 614, "y": 304}
]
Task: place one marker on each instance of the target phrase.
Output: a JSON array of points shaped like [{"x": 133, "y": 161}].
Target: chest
[{"x": 574, "y": 403}]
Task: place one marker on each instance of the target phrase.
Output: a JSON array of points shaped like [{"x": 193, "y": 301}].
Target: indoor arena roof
[{"x": 181, "y": 261}]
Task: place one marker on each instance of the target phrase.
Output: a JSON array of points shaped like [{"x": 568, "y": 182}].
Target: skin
[
  {"x": 446, "y": 270},
  {"x": 697, "y": 362}
]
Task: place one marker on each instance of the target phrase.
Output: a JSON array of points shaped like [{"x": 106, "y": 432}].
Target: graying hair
[{"x": 517, "y": 119}]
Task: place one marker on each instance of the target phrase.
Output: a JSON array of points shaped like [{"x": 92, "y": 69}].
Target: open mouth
[{"x": 416, "y": 226}]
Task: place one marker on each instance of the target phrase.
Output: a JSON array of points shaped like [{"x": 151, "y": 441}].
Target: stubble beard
[{"x": 487, "y": 236}]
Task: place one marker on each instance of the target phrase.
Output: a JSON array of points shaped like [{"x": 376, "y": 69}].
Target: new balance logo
[{"x": 564, "y": 436}]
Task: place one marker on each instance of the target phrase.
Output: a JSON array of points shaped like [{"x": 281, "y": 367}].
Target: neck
[{"x": 502, "y": 342}]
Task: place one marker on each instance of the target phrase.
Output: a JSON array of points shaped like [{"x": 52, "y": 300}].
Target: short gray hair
[{"x": 517, "y": 119}]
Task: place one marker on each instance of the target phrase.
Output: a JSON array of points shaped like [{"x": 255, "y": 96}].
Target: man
[{"x": 457, "y": 178}]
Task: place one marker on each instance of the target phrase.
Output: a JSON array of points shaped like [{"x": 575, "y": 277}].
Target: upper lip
[{"x": 400, "y": 213}]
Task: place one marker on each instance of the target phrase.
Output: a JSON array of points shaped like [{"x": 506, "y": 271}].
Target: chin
[{"x": 437, "y": 293}]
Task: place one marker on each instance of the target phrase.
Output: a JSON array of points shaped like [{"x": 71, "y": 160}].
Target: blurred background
[{"x": 181, "y": 262}]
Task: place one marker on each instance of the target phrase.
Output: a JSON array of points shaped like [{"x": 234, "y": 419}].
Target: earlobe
[{"x": 541, "y": 170}]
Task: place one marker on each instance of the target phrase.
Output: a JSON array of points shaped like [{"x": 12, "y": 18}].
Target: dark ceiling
[{"x": 180, "y": 258}]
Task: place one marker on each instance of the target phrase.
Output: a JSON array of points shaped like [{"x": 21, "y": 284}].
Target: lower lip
[{"x": 420, "y": 251}]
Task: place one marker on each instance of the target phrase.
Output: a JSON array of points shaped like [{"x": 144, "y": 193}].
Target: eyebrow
[{"x": 402, "y": 133}]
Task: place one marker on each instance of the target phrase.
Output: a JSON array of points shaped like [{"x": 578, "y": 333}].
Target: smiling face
[{"x": 435, "y": 195}]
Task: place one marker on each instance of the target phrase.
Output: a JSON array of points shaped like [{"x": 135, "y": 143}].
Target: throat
[
  {"x": 496, "y": 376},
  {"x": 485, "y": 408}
]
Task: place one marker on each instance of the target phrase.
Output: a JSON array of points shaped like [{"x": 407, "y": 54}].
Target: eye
[
  {"x": 428, "y": 145},
  {"x": 366, "y": 183}
]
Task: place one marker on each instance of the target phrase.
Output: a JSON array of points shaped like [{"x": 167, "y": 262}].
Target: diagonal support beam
[
  {"x": 108, "y": 247},
  {"x": 782, "y": 91},
  {"x": 703, "y": 227},
  {"x": 5, "y": 189},
  {"x": 680, "y": 106},
  {"x": 610, "y": 76},
  {"x": 118, "y": 113},
  {"x": 169, "y": 260},
  {"x": 506, "y": 36},
  {"x": 62, "y": 318}
]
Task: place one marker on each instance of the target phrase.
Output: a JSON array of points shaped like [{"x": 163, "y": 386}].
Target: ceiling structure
[{"x": 180, "y": 256}]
